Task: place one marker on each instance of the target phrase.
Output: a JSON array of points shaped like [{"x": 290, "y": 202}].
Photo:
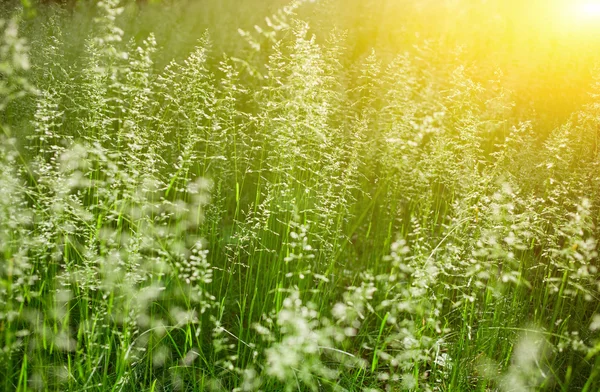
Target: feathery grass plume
[
  {"x": 528, "y": 368},
  {"x": 314, "y": 209},
  {"x": 15, "y": 60}
]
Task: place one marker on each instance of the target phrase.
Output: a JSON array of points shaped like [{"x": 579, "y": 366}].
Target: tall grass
[{"x": 290, "y": 215}]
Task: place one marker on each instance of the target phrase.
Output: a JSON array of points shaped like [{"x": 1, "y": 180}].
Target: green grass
[{"x": 285, "y": 209}]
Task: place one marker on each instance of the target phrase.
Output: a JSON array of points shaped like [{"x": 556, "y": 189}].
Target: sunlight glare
[{"x": 588, "y": 10}]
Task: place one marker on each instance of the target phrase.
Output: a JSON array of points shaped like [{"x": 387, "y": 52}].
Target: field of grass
[{"x": 350, "y": 196}]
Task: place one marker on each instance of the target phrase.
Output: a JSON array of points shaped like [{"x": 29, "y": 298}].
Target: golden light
[{"x": 578, "y": 17}]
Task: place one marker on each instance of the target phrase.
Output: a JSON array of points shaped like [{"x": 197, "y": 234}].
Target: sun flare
[{"x": 588, "y": 10}]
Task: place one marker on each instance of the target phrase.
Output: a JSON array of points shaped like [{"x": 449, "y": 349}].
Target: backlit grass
[{"x": 305, "y": 205}]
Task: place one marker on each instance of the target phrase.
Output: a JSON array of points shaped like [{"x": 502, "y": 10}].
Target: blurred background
[{"x": 543, "y": 51}]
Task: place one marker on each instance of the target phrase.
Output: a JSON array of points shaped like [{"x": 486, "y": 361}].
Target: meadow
[{"x": 308, "y": 196}]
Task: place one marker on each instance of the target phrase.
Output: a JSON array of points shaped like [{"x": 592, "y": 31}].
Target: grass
[{"x": 286, "y": 208}]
